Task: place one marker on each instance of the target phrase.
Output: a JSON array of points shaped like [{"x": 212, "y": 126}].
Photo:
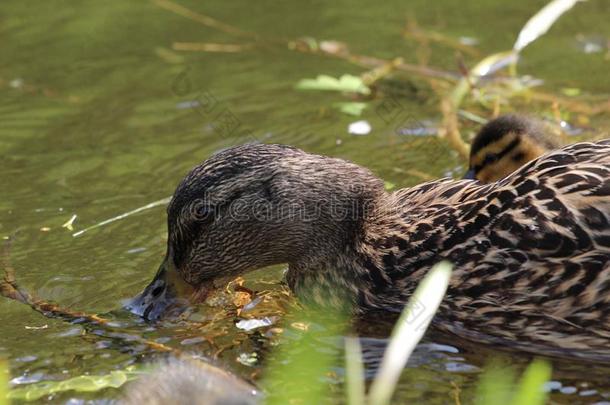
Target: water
[{"x": 98, "y": 116}]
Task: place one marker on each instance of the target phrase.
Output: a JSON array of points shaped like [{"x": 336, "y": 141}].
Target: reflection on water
[{"x": 100, "y": 116}]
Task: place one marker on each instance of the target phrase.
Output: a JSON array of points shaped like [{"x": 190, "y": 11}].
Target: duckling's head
[
  {"x": 507, "y": 143},
  {"x": 253, "y": 206},
  {"x": 189, "y": 381}
]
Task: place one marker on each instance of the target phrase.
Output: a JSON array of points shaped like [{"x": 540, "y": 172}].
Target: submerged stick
[{"x": 10, "y": 289}]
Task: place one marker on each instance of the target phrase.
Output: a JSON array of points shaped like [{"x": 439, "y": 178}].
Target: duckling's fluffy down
[{"x": 190, "y": 382}]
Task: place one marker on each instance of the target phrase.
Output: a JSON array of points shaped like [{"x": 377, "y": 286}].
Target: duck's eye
[
  {"x": 490, "y": 158},
  {"x": 201, "y": 211}
]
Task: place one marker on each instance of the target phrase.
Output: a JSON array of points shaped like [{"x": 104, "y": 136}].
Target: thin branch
[
  {"x": 163, "y": 201},
  {"x": 202, "y": 19},
  {"x": 9, "y": 288}
]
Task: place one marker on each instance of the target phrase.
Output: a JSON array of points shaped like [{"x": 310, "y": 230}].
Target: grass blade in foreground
[
  {"x": 409, "y": 330},
  {"x": 354, "y": 372},
  {"x": 3, "y": 383},
  {"x": 497, "y": 384},
  {"x": 540, "y": 23},
  {"x": 310, "y": 347},
  {"x": 530, "y": 390}
]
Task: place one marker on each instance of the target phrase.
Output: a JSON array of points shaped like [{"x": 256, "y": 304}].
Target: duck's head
[
  {"x": 507, "y": 143},
  {"x": 253, "y": 206}
]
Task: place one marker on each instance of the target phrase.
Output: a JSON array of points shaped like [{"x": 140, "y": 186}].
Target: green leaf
[
  {"x": 409, "y": 330},
  {"x": 83, "y": 383},
  {"x": 496, "y": 385},
  {"x": 388, "y": 185},
  {"x": 346, "y": 83},
  {"x": 530, "y": 389},
  {"x": 571, "y": 91},
  {"x": 298, "y": 369},
  {"x": 351, "y": 108},
  {"x": 3, "y": 383}
]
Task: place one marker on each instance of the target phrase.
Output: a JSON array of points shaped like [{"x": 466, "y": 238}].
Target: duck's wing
[{"x": 537, "y": 275}]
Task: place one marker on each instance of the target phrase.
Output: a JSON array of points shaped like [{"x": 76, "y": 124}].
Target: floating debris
[
  {"x": 45, "y": 326},
  {"x": 346, "y": 83},
  {"x": 351, "y": 108},
  {"x": 249, "y": 306},
  {"x": 248, "y": 359},
  {"x": 420, "y": 128},
  {"x": 192, "y": 341},
  {"x": 185, "y": 105},
  {"x": 359, "y": 128},
  {"x": 69, "y": 223},
  {"x": 470, "y": 41},
  {"x": 251, "y": 324}
]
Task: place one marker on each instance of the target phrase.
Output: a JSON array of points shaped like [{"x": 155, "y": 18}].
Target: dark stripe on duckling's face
[
  {"x": 494, "y": 166},
  {"x": 505, "y": 144},
  {"x": 490, "y": 157}
]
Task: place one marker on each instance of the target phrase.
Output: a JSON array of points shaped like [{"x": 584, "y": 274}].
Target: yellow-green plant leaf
[
  {"x": 297, "y": 371},
  {"x": 409, "y": 330},
  {"x": 496, "y": 385},
  {"x": 388, "y": 185},
  {"x": 351, "y": 108},
  {"x": 530, "y": 389},
  {"x": 3, "y": 383},
  {"x": 346, "y": 83},
  {"x": 83, "y": 383}
]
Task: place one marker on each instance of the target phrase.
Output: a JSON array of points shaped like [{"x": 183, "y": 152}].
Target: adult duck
[{"x": 531, "y": 252}]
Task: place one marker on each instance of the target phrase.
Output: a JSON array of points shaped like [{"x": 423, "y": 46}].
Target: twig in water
[
  {"x": 202, "y": 19},
  {"x": 210, "y": 47},
  {"x": 163, "y": 201},
  {"x": 9, "y": 288}
]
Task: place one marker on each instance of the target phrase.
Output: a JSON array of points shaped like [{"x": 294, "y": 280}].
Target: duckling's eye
[{"x": 490, "y": 158}]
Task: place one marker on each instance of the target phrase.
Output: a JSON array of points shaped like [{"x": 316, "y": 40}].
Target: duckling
[
  {"x": 530, "y": 252},
  {"x": 190, "y": 382},
  {"x": 506, "y": 143}
]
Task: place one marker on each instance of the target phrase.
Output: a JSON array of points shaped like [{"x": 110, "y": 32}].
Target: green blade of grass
[
  {"x": 495, "y": 387},
  {"x": 3, "y": 383},
  {"x": 409, "y": 330},
  {"x": 530, "y": 389},
  {"x": 298, "y": 370},
  {"x": 354, "y": 372}
]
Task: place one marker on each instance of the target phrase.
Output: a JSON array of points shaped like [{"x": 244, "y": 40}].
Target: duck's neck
[{"x": 380, "y": 267}]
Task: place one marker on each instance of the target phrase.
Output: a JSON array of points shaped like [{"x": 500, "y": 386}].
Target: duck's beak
[
  {"x": 167, "y": 295},
  {"x": 470, "y": 174}
]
